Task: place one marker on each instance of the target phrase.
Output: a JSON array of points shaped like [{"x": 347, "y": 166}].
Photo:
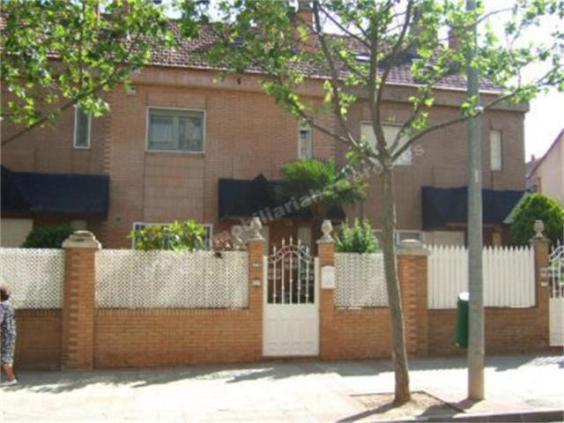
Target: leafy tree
[
  {"x": 60, "y": 53},
  {"x": 358, "y": 238},
  {"x": 374, "y": 38},
  {"x": 176, "y": 236},
  {"x": 537, "y": 207},
  {"x": 322, "y": 184},
  {"x": 48, "y": 236}
]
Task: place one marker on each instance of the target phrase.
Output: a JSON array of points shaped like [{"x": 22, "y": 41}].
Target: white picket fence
[
  {"x": 35, "y": 276},
  {"x": 359, "y": 280},
  {"x": 509, "y": 276},
  {"x": 167, "y": 279}
]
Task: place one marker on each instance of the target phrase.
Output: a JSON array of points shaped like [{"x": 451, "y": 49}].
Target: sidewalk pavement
[{"x": 301, "y": 391}]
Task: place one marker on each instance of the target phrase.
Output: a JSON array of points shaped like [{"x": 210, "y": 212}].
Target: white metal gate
[
  {"x": 291, "y": 303},
  {"x": 556, "y": 302}
]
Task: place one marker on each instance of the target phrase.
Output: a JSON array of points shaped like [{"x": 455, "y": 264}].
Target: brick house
[
  {"x": 546, "y": 174},
  {"x": 180, "y": 145}
]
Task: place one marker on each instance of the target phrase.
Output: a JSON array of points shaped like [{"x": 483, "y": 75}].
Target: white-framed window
[
  {"x": 390, "y": 132},
  {"x": 175, "y": 130},
  {"x": 495, "y": 150},
  {"x": 82, "y": 128},
  {"x": 305, "y": 142},
  {"x": 208, "y": 240}
]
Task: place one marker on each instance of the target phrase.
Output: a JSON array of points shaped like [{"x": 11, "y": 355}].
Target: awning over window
[
  {"x": 442, "y": 206},
  {"x": 54, "y": 193},
  {"x": 262, "y": 198}
]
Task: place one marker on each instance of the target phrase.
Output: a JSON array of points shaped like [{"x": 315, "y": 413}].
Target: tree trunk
[{"x": 399, "y": 352}]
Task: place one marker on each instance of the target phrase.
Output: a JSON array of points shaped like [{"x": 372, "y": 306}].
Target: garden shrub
[
  {"x": 537, "y": 207},
  {"x": 358, "y": 238},
  {"x": 48, "y": 236},
  {"x": 177, "y": 236}
]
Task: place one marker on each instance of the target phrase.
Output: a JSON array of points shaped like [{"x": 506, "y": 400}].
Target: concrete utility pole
[{"x": 475, "y": 241}]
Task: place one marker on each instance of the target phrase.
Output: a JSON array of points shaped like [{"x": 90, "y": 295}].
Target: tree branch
[
  {"x": 334, "y": 75},
  {"x": 108, "y": 81}
]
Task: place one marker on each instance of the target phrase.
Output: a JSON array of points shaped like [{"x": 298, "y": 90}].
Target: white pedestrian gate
[
  {"x": 291, "y": 303},
  {"x": 556, "y": 302}
]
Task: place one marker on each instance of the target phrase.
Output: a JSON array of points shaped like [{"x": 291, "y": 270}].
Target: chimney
[
  {"x": 415, "y": 26},
  {"x": 453, "y": 40},
  {"x": 304, "y": 17},
  {"x": 304, "y": 13}
]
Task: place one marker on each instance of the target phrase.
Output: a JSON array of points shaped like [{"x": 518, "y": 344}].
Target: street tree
[
  {"x": 56, "y": 54},
  {"x": 354, "y": 46}
]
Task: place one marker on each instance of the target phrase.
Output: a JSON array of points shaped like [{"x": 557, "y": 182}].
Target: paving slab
[{"x": 301, "y": 391}]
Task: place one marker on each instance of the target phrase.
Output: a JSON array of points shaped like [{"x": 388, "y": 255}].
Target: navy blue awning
[
  {"x": 54, "y": 193},
  {"x": 442, "y": 206},
  {"x": 261, "y": 197}
]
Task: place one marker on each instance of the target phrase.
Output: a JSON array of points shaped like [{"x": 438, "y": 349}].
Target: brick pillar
[
  {"x": 255, "y": 249},
  {"x": 77, "y": 349},
  {"x": 541, "y": 247},
  {"x": 412, "y": 274},
  {"x": 326, "y": 251}
]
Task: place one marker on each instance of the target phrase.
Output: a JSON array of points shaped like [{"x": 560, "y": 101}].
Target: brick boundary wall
[
  {"x": 81, "y": 337},
  {"x": 365, "y": 333},
  {"x": 507, "y": 330},
  {"x": 168, "y": 337},
  {"x": 39, "y": 339}
]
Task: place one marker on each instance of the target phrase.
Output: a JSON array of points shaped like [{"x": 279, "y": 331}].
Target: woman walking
[{"x": 7, "y": 335}]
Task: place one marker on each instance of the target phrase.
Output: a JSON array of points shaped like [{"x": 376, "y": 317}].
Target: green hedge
[{"x": 48, "y": 236}]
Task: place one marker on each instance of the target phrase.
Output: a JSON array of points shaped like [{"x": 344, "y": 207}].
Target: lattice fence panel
[
  {"x": 35, "y": 276},
  {"x": 167, "y": 279},
  {"x": 359, "y": 280}
]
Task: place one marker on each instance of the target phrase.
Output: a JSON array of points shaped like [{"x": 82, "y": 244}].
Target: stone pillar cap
[
  {"x": 412, "y": 247},
  {"x": 539, "y": 232},
  {"x": 82, "y": 239},
  {"x": 326, "y": 229},
  {"x": 255, "y": 228}
]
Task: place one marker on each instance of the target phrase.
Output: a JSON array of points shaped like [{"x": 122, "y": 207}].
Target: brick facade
[
  {"x": 81, "y": 336},
  {"x": 247, "y": 134}
]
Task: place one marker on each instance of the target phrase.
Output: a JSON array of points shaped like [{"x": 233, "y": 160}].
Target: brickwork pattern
[
  {"x": 412, "y": 273},
  {"x": 38, "y": 343},
  {"x": 78, "y": 309},
  {"x": 150, "y": 338},
  {"x": 241, "y": 122}
]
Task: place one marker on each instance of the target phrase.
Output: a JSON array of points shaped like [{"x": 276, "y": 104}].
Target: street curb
[{"x": 525, "y": 416}]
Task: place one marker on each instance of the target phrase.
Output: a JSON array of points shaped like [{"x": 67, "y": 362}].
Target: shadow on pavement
[{"x": 274, "y": 370}]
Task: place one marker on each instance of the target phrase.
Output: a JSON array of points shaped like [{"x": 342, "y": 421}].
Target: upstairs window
[
  {"x": 495, "y": 150},
  {"x": 176, "y": 131},
  {"x": 305, "y": 142},
  {"x": 82, "y": 127},
  {"x": 390, "y": 132}
]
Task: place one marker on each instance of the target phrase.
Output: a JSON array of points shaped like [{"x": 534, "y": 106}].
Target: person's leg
[
  {"x": 9, "y": 370},
  {"x": 7, "y": 355}
]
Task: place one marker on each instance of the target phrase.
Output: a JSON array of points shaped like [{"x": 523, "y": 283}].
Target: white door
[{"x": 291, "y": 304}]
